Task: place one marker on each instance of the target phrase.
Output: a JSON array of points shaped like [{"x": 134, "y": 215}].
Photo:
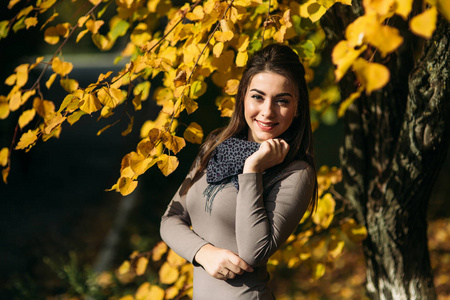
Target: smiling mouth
[{"x": 266, "y": 125}]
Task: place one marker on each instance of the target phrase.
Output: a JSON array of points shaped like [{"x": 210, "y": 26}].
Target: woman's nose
[{"x": 267, "y": 109}]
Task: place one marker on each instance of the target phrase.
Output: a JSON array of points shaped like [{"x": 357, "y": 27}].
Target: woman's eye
[
  {"x": 257, "y": 97},
  {"x": 282, "y": 101}
]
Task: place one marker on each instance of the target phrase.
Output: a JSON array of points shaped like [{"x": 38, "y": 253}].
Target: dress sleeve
[
  {"x": 175, "y": 229},
  {"x": 263, "y": 225}
]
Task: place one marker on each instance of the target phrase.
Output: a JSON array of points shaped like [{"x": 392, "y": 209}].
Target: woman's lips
[{"x": 266, "y": 126}]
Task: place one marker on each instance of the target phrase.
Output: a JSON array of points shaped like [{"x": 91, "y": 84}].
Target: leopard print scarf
[{"x": 224, "y": 166}]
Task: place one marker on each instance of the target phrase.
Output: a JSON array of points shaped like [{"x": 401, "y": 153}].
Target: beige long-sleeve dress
[{"x": 252, "y": 222}]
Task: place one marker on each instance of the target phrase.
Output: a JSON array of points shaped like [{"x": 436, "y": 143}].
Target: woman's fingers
[
  {"x": 271, "y": 152},
  {"x": 221, "y": 263}
]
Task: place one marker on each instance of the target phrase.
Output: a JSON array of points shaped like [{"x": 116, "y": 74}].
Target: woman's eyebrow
[{"x": 277, "y": 95}]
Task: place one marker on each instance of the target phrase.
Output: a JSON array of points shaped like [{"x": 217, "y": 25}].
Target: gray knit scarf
[{"x": 224, "y": 166}]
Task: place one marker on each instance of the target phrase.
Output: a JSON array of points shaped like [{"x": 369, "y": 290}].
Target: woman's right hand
[{"x": 221, "y": 263}]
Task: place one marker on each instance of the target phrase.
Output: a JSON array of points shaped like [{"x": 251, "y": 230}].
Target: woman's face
[{"x": 269, "y": 106}]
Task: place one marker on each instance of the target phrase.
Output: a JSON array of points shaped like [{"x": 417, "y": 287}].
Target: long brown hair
[{"x": 282, "y": 60}]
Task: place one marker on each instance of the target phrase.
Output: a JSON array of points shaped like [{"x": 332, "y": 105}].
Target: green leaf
[
  {"x": 119, "y": 29},
  {"x": 306, "y": 49},
  {"x": 20, "y": 24},
  {"x": 4, "y": 28}
]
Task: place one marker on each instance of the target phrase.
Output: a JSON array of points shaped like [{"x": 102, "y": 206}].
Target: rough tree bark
[{"x": 395, "y": 143}]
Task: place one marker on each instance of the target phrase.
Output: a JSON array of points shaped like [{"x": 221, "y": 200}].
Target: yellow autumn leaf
[
  {"x": 127, "y": 297},
  {"x": 22, "y": 75},
  {"x": 189, "y": 104},
  {"x": 90, "y": 104},
  {"x": 145, "y": 147},
  {"x": 217, "y": 49},
  {"x": 382, "y": 8},
  {"x": 4, "y": 109},
  {"x": 124, "y": 267},
  {"x": 50, "y": 80},
  {"x": 168, "y": 274},
  {"x": 43, "y": 107},
  {"x": 424, "y": 24},
  {"x": 373, "y": 76},
  {"x": 196, "y": 15},
  {"x": 159, "y": 250},
  {"x": 172, "y": 292},
  {"x": 69, "y": 85},
  {"x": 387, "y": 39},
  {"x": 28, "y": 139},
  {"x": 52, "y": 121},
  {"x": 141, "y": 265},
  {"x": 231, "y": 87},
  {"x": 15, "y": 101},
  {"x": 241, "y": 59},
  {"x": 194, "y": 133},
  {"x": 174, "y": 259},
  {"x": 94, "y": 26},
  {"x": 443, "y": 7},
  {"x": 51, "y": 35},
  {"x": 126, "y": 185},
  {"x": 355, "y": 232},
  {"x": 12, "y": 3},
  {"x": 226, "y": 106},
  {"x": 347, "y": 102},
  {"x": 335, "y": 248},
  {"x": 139, "y": 163},
  {"x": 403, "y": 8},
  {"x": 318, "y": 271},
  {"x": 11, "y": 80},
  {"x": 167, "y": 164},
  {"x": 173, "y": 143},
  {"x": 60, "y": 67},
  {"x": 197, "y": 89},
  {"x": 343, "y": 56},
  {"x": 4, "y": 154},
  {"x": 325, "y": 211},
  {"x": 26, "y": 117}
]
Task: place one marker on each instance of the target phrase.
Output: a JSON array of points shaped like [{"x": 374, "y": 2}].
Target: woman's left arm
[{"x": 263, "y": 225}]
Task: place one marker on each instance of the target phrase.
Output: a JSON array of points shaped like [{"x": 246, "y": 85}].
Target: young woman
[{"x": 250, "y": 185}]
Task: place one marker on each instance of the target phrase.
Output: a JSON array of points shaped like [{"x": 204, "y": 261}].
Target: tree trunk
[{"x": 395, "y": 143}]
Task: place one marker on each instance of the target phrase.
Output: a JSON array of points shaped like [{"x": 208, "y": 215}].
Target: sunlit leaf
[
  {"x": 4, "y": 28},
  {"x": 126, "y": 186},
  {"x": 372, "y": 75},
  {"x": 26, "y": 117},
  {"x": 325, "y": 211},
  {"x": 198, "y": 88},
  {"x": 51, "y": 36},
  {"x": 424, "y": 24},
  {"x": 344, "y": 55},
  {"x": 174, "y": 143},
  {"x": 168, "y": 274},
  {"x": 318, "y": 271},
  {"x": 231, "y": 87},
  {"x": 403, "y": 8},
  {"x": 141, "y": 265},
  {"x": 50, "y": 81},
  {"x": 347, "y": 102},
  {"x": 15, "y": 101},
  {"x": 167, "y": 164},
  {"x": 28, "y": 139},
  {"x": 31, "y": 22},
  {"x": 124, "y": 267},
  {"x": 174, "y": 259},
  {"x": 73, "y": 118},
  {"x": 60, "y": 67},
  {"x": 22, "y": 75},
  {"x": 159, "y": 250},
  {"x": 90, "y": 104},
  {"x": 52, "y": 121},
  {"x": 69, "y": 85},
  {"x": 4, "y": 154},
  {"x": 194, "y": 133},
  {"x": 354, "y": 231}
]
